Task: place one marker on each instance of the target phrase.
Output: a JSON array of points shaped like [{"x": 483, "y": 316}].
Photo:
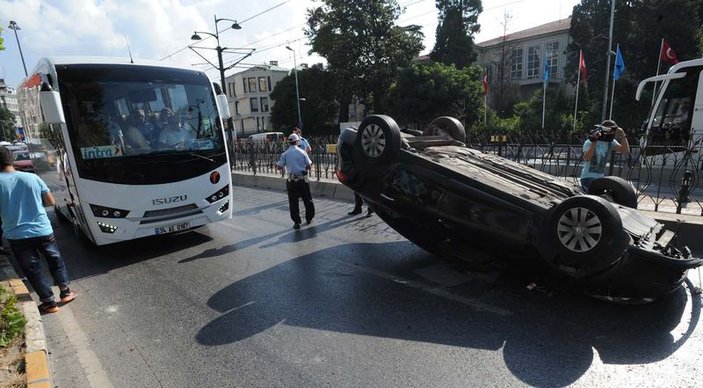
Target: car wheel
[
  {"x": 621, "y": 191},
  {"x": 448, "y": 125},
  {"x": 586, "y": 232},
  {"x": 377, "y": 141}
]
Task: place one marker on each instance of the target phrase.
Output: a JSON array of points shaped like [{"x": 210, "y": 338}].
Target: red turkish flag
[
  {"x": 582, "y": 66},
  {"x": 485, "y": 82},
  {"x": 668, "y": 54}
]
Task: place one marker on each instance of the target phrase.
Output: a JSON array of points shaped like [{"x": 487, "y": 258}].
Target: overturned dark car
[{"x": 488, "y": 212}]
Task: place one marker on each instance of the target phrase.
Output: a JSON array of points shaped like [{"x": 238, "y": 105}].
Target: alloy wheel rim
[
  {"x": 579, "y": 229},
  {"x": 373, "y": 141}
]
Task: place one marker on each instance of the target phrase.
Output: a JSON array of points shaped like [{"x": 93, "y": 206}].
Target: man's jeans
[{"x": 27, "y": 252}]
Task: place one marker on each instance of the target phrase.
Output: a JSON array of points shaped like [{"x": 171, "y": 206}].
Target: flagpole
[
  {"x": 612, "y": 98},
  {"x": 576, "y": 105},
  {"x": 544, "y": 101},
  {"x": 485, "y": 108},
  {"x": 659, "y": 62},
  {"x": 607, "y": 58}
]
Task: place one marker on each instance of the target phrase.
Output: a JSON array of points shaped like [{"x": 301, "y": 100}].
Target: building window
[
  {"x": 268, "y": 79},
  {"x": 236, "y": 108},
  {"x": 254, "y": 103},
  {"x": 516, "y": 63},
  {"x": 244, "y": 82},
  {"x": 534, "y": 68},
  {"x": 262, "y": 84},
  {"x": 264, "y": 104},
  {"x": 551, "y": 53},
  {"x": 252, "y": 85}
]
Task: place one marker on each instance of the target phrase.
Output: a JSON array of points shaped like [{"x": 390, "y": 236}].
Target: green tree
[
  {"x": 363, "y": 47},
  {"x": 639, "y": 27},
  {"x": 2, "y": 47},
  {"x": 319, "y": 110},
  {"x": 7, "y": 124},
  {"x": 458, "y": 21},
  {"x": 425, "y": 91}
]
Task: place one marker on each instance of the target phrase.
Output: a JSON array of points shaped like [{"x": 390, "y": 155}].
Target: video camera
[{"x": 606, "y": 133}]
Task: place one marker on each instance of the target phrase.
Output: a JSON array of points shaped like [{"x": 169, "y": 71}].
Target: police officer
[{"x": 298, "y": 164}]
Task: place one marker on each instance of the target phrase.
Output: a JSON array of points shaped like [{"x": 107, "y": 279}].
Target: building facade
[
  {"x": 519, "y": 58},
  {"x": 248, "y": 93},
  {"x": 8, "y": 100}
]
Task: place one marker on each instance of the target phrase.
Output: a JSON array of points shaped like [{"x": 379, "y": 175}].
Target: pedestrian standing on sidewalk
[
  {"x": 27, "y": 229},
  {"x": 304, "y": 145},
  {"x": 358, "y": 204},
  {"x": 298, "y": 164}
]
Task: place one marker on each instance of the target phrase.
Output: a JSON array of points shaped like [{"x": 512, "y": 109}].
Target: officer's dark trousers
[{"x": 296, "y": 190}]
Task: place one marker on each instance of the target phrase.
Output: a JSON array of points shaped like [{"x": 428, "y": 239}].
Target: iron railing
[{"x": 667, "y": 179}]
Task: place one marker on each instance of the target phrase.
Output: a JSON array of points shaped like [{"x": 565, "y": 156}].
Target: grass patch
[
  {"x": 11, "y": 319},
  {"x": 12, "y": 324}
]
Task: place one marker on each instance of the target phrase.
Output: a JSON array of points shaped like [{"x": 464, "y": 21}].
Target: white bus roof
[{"x": 74, "y": 60}]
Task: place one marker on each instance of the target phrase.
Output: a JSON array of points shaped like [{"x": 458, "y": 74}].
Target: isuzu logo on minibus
[{"x": 167, "y": 200}]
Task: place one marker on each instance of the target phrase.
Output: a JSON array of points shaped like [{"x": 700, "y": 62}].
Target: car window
[{"x": 21, "y": 156}]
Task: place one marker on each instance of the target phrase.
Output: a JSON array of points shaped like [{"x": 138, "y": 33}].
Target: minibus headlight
[
  {"x": 223, "y": 192},
  {"x": 108, "y": 212}
]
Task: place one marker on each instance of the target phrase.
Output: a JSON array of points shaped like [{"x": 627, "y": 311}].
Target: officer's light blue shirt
[
  {"x": 295, "y": 160},
  {"x": 304, "y": 145},
  {"x": 595, "y": 168},
  {"x": 21, "y": 206}
]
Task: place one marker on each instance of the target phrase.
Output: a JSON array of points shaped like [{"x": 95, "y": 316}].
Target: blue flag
[
  {"x": 619, "y": 65},
  {"x": 546, "y": 70}
]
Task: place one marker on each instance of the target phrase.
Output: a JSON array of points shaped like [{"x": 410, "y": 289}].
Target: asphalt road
[{"x": 345, "y": 302}]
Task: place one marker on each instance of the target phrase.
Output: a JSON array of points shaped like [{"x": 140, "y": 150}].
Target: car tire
[
  {"x": 621, "y": 191},
  {"x": 448, "y": 125},
  {"x": 377, "y": 142},
  {"x": 586, "y": 236}
]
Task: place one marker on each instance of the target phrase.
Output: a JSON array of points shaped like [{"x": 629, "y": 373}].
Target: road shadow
[
  {"x": 84, "y": 260},
  {"x": 547, "y": 339}
]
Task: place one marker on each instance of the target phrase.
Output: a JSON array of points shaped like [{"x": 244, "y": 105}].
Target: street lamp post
[
  {"x": 297, "y": 93},
  {"x": 13, "y": 26},
  {"x": 220, "y": 66}
]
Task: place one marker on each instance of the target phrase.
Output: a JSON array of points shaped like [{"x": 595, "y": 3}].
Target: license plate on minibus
[{"x": 173, "y": 228}]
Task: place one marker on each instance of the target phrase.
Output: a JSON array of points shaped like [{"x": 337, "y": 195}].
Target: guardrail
[{"x": 668, "y": 179}]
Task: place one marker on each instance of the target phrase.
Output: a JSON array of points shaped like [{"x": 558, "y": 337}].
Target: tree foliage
[
  {"x": 7, "y": 124},
  {"x": 363, "y": 47},
  {"x": 319, "y": 110},
  {"x": 2, "y": 47},
  {"x": 639, "y": 27},
  {"x": 425, "y": 91},
  {"x": 458, "y": 21}
]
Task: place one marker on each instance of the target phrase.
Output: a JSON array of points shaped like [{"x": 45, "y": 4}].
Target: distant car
[
  {"x": 22, "y": 161},
  {"x": 461, "y": 203}
]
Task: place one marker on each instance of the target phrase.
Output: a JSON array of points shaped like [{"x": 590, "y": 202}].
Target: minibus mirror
[
  {"x": 51, "y": 107},
  {"x": 223, "y": 107}
]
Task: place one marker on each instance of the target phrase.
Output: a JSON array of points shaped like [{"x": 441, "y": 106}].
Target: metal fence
[{"x": 667, "y": 179}]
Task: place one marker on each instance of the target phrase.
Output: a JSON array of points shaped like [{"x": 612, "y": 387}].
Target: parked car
[
  {"x": 22, "y": 161},
  {"x": 461, "y": 204}
]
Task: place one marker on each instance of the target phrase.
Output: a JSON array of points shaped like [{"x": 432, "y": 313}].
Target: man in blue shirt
[
  {"x": 304, "y": 145},
  {"x": 596, "y": 153},
  {"x": 298, "y": 163},
  {"x": 26, "y": 227}
]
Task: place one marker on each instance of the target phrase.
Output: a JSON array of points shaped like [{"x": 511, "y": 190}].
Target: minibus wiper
[{"x": 201, "y": 156}]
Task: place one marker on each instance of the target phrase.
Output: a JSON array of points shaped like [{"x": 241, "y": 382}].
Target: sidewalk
[
  {"x": 689, "y": 232},
  {"x": 35, "y": 358}
]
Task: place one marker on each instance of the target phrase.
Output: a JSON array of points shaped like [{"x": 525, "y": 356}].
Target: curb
[
  {"x": 689, "y": 232},
  {"x": 35, "y": 357}
]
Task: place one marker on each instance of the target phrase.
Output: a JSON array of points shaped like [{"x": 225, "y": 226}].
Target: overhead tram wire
[{"x": 227, "y": 29}]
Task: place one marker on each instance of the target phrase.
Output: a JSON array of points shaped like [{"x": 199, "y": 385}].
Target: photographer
[{"x": 603, "y": 139}]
